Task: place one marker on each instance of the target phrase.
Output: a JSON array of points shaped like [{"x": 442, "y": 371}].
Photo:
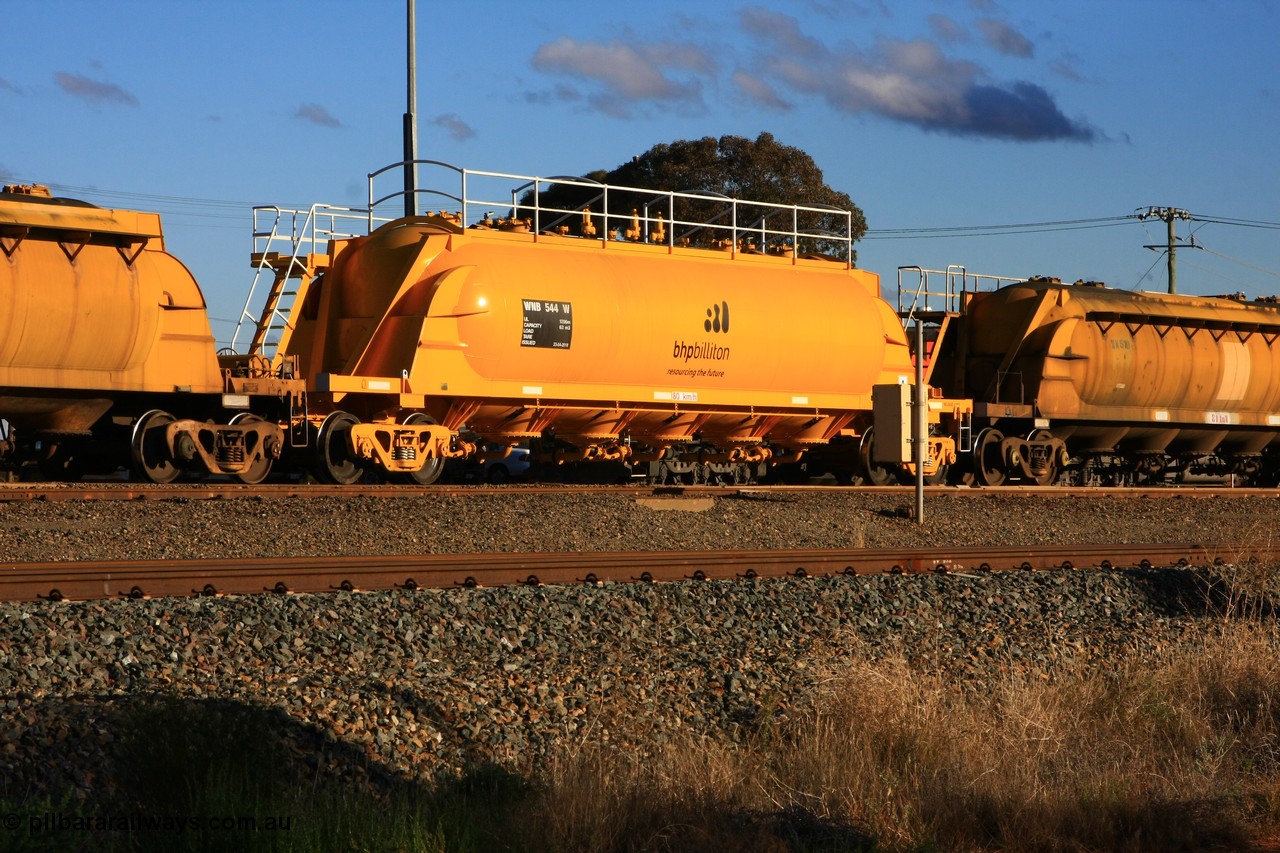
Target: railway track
[
  {"x": 59, "y": 581},
  {"x": 124, "y": 491}
]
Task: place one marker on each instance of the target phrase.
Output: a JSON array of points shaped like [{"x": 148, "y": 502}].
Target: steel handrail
[{"x": 473, "y": 205}]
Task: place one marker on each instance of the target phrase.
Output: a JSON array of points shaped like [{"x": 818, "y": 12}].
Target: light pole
[{"x": 411, "y": 127}]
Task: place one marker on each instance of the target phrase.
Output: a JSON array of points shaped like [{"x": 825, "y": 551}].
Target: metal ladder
[
  {"x": 305, "y": 235},
  {"x": 293, "y": 276}
]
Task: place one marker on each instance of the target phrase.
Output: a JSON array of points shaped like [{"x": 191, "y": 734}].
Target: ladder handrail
[
  {"x": 305, "y": 233},
  {"x": 956, "y": 283}
]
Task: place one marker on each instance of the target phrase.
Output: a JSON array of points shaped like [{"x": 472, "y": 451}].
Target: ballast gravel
[
  {"x": 485, "y": 522},
  {"x": 378, "y": 688}
]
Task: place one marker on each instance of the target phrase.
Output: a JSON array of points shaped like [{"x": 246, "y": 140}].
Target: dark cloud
[
  {"x": 1005, "y": 38},
  {"x": 1023, "y": 111},
  {"x": 316, "y": 114},
  {"x": 454, "y": 126},
  {"x": 911, "y": 82},
  {"x": 6, "y": 86},
  {"x": 93, "y": 90}
]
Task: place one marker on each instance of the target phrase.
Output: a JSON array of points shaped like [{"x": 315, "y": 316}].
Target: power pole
[
  {"x": 1169, "y": 215},
  {"x": 411, "y": 127}
]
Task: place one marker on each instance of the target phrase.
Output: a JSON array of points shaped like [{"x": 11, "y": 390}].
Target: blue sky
[{"x": 932, "y": 115}]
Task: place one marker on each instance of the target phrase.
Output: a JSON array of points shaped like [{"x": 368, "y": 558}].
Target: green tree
[{"x": 760, "y": 170}]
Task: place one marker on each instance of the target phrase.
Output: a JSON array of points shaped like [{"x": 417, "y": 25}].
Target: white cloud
[{"x": 619, "y": 76}]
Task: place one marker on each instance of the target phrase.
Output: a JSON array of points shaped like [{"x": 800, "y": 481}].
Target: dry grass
[
  {"x": 1175, "y": 753},
  {"x": 1179, "y": 750}
]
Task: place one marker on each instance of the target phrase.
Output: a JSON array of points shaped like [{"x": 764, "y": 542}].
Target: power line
[
  {"x": 1143, "y": 277},
  {"x": 1053, "y": 225},
  {"x": 1243, "y": 223},
  {"x": 1218, "y": 274},
  {"x": 174, "y": 205},
  {"x": 151, "y": 199},
  {"x": 1015, "y": 228},
  {"x": 987, "y": 231},
  {"x": 1238, "y": 261}
]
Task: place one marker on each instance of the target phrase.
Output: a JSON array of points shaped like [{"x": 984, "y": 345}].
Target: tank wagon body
[
  {"x": 622, "y": 351},
  {"x": 98, "y": 323},
  {"x": 682, "y": 335},
  {"x": 1111, "y": 385}
]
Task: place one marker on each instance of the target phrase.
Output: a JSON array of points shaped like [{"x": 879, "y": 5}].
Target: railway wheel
[
  {"x": 432, "y": 469},
  {"x": 1051, "y": 471},
  {"x": 676, "y": 473},
  {"x": 939, "y": 476},
  {"x": 877, "y": 474},
  {"x": 261, "y": 466},
  {"x": 334, "y": 463},
  {"x": 151, "y": 460},
  {"x": 988, "y": 460}
]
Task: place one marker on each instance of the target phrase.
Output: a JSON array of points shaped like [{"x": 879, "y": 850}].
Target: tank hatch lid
[{"x": 94, "y": 220}]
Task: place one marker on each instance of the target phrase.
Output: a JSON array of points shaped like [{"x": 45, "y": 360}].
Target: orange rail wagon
[
  {"x": 102, "y": 335},
  {"x": 702, "y": 345},
  {"x": 1106, "y": 385}
]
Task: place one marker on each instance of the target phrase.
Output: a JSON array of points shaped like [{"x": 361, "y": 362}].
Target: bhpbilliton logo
[
  {"x": 717, "y": 318},
  {"x": 717, "y": 321}
]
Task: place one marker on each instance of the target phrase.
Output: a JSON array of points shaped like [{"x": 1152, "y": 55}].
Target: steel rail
[
  {"x": 58, "y": 581},
  {"x": 21, "y": 492}
]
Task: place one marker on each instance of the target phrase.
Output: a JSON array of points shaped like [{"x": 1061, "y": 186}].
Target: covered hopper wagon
[{"x": 1094, "y": 385}]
